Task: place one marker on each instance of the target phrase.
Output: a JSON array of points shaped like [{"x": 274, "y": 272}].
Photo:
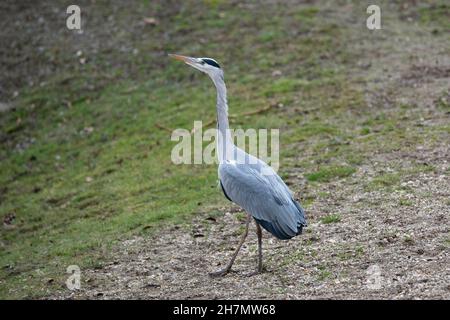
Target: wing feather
[{"x": 265, "y": 196}]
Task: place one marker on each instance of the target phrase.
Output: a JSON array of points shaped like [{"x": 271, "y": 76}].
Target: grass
[
  {"x": 392, "y": 180},
  {"x": 447, "y": 242},
  {"x": 348, "y": 252},
  {"x": 405, "y": 202},
  {"x": 408, "y": 239},
  {"x": 434, "y": 14},
  {"x": 85, "y": 163},
  {"x": 298, "y": 255},
  {"x": 328, "y": 173},
  {"x": 331, "y": 218},
  {"x": 324, "y": 273},
  {"x": 384, "y": 181}
]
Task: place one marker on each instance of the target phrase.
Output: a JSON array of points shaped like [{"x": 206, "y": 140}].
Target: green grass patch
[
  {"x": 405, "y": 202},
  {"x": 327, "y": 174},
  {"x": 284, "y": 85},
  {"x": 324, "y": 273},
  {"x": 436, "y": 14},
  {"x": 447, "y": 242},
  {"x": 384, "y": 181},
  {"x": 331, "y": 218}
]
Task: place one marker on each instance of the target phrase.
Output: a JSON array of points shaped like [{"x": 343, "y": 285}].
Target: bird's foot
[{"x": 219, "y": 273}]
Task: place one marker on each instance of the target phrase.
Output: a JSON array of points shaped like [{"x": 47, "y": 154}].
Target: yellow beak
[{"x": 181, "y": 58}]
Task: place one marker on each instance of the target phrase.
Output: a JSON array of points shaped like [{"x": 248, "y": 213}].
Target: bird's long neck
[{"x": 224, "y": 141}]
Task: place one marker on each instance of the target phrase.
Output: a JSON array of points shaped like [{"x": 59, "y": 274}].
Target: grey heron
[{"x": 246, "y": 180}]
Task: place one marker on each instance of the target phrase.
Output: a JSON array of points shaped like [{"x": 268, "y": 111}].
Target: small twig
[
  {"x": 249, "y": 113},
  {"x": 163, "y": 127},
  {"x": 129, "y": 90},
  {"x": 366, "y": 136}
]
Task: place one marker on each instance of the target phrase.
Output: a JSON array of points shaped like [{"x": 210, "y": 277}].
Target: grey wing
[
  {"x": 223, "y": 190},
  {"x": 265, "y": 196}
]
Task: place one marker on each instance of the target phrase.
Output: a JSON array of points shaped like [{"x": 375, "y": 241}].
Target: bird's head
[{"x": 206, "y": 65}]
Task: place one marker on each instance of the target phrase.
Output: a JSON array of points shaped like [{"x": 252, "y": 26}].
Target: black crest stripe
[{"x": 211, "y": 62}]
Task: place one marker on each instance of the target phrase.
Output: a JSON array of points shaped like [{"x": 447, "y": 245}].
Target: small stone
[{"x": 276, "y": 73}]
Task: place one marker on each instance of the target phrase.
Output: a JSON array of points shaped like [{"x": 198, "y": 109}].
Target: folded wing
[{"x": 263, "y": 194}]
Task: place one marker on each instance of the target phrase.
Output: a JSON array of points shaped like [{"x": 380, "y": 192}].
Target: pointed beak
[{"x": 185, "y": 59}]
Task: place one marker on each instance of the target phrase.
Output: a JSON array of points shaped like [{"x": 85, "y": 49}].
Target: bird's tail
[{"x": 302, "y": 218}]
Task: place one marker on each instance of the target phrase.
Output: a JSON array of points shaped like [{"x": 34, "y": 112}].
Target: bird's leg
[
  {"x": 260, "y": 265},
  {"x": 259, "y": 234},
  {"x": 224, "y": 271}
]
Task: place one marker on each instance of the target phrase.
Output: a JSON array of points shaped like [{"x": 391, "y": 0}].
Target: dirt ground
[
  {"x": 326, "y": 263},
  {"x": 404, "y": 253},
  {"x": 388, "y": 244}
]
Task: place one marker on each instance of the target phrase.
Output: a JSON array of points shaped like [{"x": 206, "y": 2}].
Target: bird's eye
[{"x": 202, "y": 62}]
